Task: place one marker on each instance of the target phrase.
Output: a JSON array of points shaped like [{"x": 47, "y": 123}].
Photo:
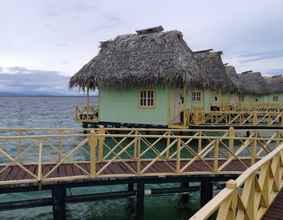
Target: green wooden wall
[{"x": 122, "y": 105}]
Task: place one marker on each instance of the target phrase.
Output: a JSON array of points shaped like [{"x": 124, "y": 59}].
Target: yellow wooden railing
[
  {"x": 139, "y": 151},
  {"x": 251, "y": 194},
  {"x": 234, "y": 118}
]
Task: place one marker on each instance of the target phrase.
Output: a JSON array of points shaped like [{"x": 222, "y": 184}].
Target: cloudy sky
[{"x": 56, "y": 37}]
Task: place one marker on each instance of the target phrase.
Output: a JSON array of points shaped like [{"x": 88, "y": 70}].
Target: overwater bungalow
[
  {"x": 217, "y": 94},
  {"x": 153, "y": 78},
  {"x": 275, "y": 84}
]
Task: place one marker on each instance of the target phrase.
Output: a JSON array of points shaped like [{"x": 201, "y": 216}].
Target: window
[
  {"x": 275, "y": 98},
  {"x": 147, "y": 98},
  {"x": 196, "y": 96}
]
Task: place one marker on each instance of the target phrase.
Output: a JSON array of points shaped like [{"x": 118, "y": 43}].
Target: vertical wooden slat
[
  {"x": 199, "y": 142},
  {"x": 39, "y": 168},
  {"x": 138, "y": 155},
  {"x": 178, "y": 162},
  {"x": 61, "y": 145},
  {"x": 92, "y": 140},
  {"x": 254, "y": 145},
  {"x": 167, "y": 155},
  {"x": 101, "y": 140},
  {"x": 216, "y": 155},
  {"x": 231, "y": 141}
]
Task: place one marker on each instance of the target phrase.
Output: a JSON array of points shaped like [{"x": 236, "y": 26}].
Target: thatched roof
[
  {"x": 253, "y": 83},
  {"x": 275, "y": 83},
  {"x": 148, "y": 57},
  {"x": 233, "y": 75},
  {"x": 212, "y": 66}
]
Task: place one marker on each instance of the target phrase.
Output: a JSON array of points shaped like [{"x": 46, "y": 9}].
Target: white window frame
[{"x": 147, "y": 98}]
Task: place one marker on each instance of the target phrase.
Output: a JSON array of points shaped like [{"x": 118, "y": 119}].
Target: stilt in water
[{"x": 206, "y": 191}]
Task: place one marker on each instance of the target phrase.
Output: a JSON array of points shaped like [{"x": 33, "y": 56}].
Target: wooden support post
[
  {"x": 101, "y": 140},
  {"x": 231, "y": 141},
  {"x": 92, "y": 141},
  {"x": 58, "y": 201},
  {"x": 131, "y": 200},
  {"x": 140, "y": 200},
  {"x": 206, "y": 191},
  {"x": 184, "y": 196},
  {"x": 216, "y": 155}
]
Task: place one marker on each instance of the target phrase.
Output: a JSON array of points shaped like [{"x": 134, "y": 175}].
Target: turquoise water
[{"x": 55, "y": 112}]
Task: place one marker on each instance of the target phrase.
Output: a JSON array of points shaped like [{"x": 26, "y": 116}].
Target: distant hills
[
  {"x": 11, "y": 94},
  {"x": 21, "y": 81}
]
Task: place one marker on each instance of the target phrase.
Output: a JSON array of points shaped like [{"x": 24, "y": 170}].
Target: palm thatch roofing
[
  {"x": 212, "y": 66},
  {"x": 155, "y": 57},
  {"x": 233, "y": 75},
  {"x": 253, "y": 83},
  {"x": 275, "y": 83},
  {"x": 149, "y": 57}
]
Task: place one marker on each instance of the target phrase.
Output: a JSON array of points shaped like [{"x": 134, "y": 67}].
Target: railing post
[
  {"x": 19, "y": 145},
  {"x": 199, "y": 142},
  {"x": 178, "y": 162},
  {"x": 216, "y": 155},
  {"x": 101, "y": 140},
  {"x": 269, "y": 118},
  {"x": 231, "y": 141},
  {"x": 167, "y": 155},
  {"x": 39, "y": 168},
  {"x": 254, "y": 118},
  {"x": 61, "y": 145},
  {"x": 254, "y": 144},
  {"x": 135, "y": 146},
  {"x": 138, "y": 155},
  {"x": 92, "y": 141}
]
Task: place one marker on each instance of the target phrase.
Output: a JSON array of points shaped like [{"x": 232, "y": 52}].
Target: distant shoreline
[{"x": 30, "y": 96}]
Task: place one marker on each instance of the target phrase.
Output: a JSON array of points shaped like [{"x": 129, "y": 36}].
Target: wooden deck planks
[
  {"x": 275, "y": 211},
  {"x": 14, "y": 172}
]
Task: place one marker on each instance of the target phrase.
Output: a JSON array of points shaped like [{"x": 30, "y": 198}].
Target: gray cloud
[
  {"x": 257, "y": 56},
  {"x": 24, "y": 81},
  {"x": 65, "y": 34}
]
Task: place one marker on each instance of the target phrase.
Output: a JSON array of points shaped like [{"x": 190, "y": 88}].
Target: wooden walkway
[
  {"x": 275, "y": 212},
  {"x": 118, "y": 169}
]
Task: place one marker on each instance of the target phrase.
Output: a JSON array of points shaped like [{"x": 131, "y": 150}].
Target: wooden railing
[
  {"x": 122, "y": 152},
  {"x": 251, "y": 194},
  {"x": 234, "y": 118}
]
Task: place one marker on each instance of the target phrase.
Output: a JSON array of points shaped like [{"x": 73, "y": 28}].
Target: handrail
[{"x": 251, "y": 194}]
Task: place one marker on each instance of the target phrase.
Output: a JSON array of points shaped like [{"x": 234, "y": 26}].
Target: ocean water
[{"x": 55, "y": 112}]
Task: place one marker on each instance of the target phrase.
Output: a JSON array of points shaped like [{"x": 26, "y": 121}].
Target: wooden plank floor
[
  {"x": 275, "y": 212},
  {"x": 14, "y": 172}
]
